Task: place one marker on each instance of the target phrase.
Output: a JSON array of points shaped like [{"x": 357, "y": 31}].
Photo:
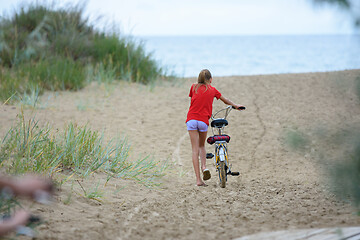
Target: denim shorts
[{"x": 196, "y": 125}]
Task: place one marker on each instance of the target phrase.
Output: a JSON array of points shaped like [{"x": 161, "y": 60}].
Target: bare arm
[
  {"x": 229, "y": 102},
  {"x": 26, "y": 186}
]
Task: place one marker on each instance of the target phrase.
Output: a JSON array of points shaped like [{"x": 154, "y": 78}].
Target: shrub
[{"x": 44, "y": 47}]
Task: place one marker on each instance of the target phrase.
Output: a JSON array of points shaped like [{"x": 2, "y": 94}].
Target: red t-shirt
[{"x": 201, "y": 103}]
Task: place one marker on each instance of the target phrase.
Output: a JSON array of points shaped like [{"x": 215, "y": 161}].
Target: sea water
[{"x": 185, "y": 56}]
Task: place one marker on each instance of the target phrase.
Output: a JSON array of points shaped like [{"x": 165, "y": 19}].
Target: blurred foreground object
[
  {"x": 32, "y": 187},
  {"x": 351, "y": 6}
]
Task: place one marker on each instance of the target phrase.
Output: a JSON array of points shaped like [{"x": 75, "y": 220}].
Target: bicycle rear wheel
[{"x": 222, "y": 174}]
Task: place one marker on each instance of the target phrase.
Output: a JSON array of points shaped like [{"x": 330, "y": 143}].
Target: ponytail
[{"x": 203, "y": 79}]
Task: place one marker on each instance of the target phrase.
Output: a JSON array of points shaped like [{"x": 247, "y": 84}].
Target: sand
[{"x": 278, "y": 188}]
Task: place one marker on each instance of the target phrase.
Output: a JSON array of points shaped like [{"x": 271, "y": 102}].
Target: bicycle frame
[{"x": 221, "y": 159}]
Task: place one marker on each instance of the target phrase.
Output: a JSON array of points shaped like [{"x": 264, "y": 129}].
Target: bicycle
[{"x": 221, "y": 140}]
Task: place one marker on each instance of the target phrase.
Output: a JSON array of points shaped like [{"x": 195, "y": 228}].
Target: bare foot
[{"x": 201, "y": 184}]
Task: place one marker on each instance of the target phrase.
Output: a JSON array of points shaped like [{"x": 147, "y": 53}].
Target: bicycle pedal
[
  {"x": 234, "y": 173},
  {"x": 34, "y": 219},
  {"x": 209, "y": 155}
]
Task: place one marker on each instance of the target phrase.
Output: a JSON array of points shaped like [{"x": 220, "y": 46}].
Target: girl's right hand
[{"x": 239, "y": 107}]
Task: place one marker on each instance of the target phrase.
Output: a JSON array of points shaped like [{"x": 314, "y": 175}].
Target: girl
[{"x": 202, "y": 95}]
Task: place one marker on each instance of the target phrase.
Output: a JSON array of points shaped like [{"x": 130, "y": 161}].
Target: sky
[{"x": 211, "y": 17}]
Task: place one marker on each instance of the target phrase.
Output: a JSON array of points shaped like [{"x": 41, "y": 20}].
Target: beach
[{"x": 278, "y": 188}]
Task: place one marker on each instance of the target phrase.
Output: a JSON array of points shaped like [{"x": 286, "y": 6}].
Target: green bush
[
  {"x": 54, "y": 74},
  {"x": 44, "y": 47}
]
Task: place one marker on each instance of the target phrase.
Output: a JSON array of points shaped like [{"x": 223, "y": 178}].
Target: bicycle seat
[{"x": 219, "y": 123}]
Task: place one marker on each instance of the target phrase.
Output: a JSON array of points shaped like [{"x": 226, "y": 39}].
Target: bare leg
[
  {"x": 194, "y": 138},
  {"x": 202, "y": 151}
]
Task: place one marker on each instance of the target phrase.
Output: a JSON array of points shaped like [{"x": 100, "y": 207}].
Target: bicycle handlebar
[
  {"x": 227, "y": 111},
  {"x": 240, "y": 108}
]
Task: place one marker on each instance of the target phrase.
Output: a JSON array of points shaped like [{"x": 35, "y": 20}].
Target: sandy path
[{"x": 278, "y": 189}]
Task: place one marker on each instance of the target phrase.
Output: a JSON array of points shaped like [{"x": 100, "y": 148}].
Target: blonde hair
[{"x": 203, "y": 79}]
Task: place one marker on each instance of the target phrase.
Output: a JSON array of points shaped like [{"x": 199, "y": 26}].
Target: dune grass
[
  {"x": 43, "y": 46},
  {"x": 29, "y": 147}
]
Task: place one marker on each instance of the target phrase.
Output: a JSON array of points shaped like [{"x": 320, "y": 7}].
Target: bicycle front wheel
[{"x": 222, "y": 174}]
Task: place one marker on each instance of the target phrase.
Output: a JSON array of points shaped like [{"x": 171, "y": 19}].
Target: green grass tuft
[{"x": 28, "y": 147}]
